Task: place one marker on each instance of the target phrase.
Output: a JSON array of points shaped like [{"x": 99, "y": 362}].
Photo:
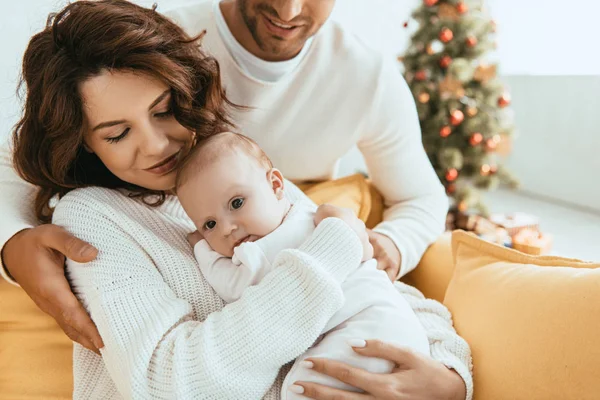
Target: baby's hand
[{"x": 194, "y": 238}]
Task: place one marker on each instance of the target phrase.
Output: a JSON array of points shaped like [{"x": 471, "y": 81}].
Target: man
[{"x": 314, "y": 91}]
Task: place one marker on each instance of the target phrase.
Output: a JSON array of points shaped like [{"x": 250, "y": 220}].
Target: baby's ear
[{"x": 276, "y": 180}]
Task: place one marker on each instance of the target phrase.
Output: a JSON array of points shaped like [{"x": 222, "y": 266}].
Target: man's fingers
[
  {"x": 59, "y": 239},
  {"x": 321, "y": 392},
  {"x": 71, "y": 313},
  {"x": 356, "y": 377},
  {"x": 402, "y": 356},
  {"x": 79, "y": 338}
]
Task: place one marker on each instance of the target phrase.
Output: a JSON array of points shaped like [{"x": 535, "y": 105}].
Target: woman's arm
[
  {"x": 153, "y": 347},
  {"x": 400, "y": 170}
]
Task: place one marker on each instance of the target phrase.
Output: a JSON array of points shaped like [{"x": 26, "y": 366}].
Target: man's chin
[{"x": 281, "y": 49}]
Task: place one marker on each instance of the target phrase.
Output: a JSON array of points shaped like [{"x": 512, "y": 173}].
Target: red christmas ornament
[
  {"x": 445, "y": 61},
  {"x": 504, "y": 100},
  {"x": 430, "y": 3},
  {"x": 462, "y": 8},
  {"x": 446, "y": 35},
  {"x": 421, "y": 75},
  {"x": 493, "y": 169},
  {"x": 456, "y": 117},
  {"x": 451, "y": 188},
  {"x": 451, "y": 174},
  {"x": 471, "y": 41},
  {"x": 405, "y": 24},
  {"x": 491, "y": 144},
  {"x": 475, "y": 139},
  {"x": 445, "y": 131}
]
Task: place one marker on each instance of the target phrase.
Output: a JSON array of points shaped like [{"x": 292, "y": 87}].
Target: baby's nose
[{"x": 229, "y": 228}]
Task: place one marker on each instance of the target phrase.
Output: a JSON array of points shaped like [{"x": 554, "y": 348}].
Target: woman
[{"x": 116, "y": 95}]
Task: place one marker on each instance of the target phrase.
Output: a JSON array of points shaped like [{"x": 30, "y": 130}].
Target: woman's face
[{"x": 131, "y": 128}]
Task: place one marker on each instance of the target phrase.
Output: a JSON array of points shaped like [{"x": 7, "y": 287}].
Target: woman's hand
[
  {"x": 415, "y": 377},
  {"x": 346, "y": 215},
  {"x": 386, "y": 253},
  {"x": 35, "y": 258}
]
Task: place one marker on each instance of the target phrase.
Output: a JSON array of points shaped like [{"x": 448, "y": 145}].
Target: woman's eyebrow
[
  {"x": 121, "y": 121},
  {"x": 159, "y": 98}
]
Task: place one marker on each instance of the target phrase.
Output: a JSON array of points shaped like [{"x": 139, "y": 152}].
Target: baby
[{"x": 234, "y": 196}]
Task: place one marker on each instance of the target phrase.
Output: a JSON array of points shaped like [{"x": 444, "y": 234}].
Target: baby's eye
[
  {"x": 210, "y": 225},
  {"x": 237, "y": 203}
]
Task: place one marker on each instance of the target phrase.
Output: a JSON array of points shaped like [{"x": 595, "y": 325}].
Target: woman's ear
[{"x": 276, "y": 179}]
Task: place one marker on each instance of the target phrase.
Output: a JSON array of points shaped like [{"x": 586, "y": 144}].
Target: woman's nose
[{"x": 155, "y": 141}]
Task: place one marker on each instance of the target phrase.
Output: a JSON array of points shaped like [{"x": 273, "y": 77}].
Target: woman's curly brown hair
[{"x": 78, "y": 43}]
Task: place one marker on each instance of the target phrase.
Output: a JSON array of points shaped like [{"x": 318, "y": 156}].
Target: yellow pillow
[
  {"x": 353, "y": 192},
  {"x": 533, "y": 322},
  {"x": 434, "y": 271}
]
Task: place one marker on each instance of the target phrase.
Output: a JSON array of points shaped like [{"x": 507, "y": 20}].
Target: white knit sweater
[{"x": 166, "y": 332}]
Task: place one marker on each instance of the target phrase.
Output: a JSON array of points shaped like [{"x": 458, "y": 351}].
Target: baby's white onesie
[{"x": 373, "y": 309}]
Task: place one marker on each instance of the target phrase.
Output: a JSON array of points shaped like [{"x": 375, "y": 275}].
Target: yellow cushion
[
  {"x": 351, "y": 192},
  {"x": 532, "y": 321},
  {"x": 434, "y": 271},
  {"x": 35, "y": 354}
]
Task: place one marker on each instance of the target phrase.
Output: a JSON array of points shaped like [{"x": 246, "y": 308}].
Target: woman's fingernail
[
  {"x": 357, "y": 343},
  {"x": 307, "y": 364},
  {"x": 297, "y": 389}
]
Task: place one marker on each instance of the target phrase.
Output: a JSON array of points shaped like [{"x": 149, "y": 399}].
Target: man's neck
[{"x": 241, "y": 33}]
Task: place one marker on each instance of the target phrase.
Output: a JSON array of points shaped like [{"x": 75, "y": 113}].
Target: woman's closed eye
[
  {"x": 236, "y": 203},
  {"x": 209, "y": 225},
  {"x": 118, "y": 138},
  {"x": 161, "y": 115},
  {"x": 164, "y": 114}
]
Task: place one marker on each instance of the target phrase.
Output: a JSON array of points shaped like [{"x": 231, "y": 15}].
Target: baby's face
[{"x": 234, "y": 200}]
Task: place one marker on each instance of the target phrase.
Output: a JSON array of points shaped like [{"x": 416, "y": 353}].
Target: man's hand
[
  {"x": 386, "y": 253},
  {"x": 35, "y": 258}
]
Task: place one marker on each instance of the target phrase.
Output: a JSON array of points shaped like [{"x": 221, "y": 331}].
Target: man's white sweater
[{"x": 341, "y": 94}]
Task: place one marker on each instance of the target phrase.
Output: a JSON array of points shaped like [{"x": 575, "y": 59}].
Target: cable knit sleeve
[
  {"x": 399, "y": 168},
  {"x": 153, "y": 346},
  {"x": 445, "y": 344},
  {"x": 15, "y": 203}
]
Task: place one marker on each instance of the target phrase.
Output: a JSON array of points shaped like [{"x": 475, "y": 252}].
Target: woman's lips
[
  {"x": 280, "y": 29},
  {"x": 165, "y": 166}
]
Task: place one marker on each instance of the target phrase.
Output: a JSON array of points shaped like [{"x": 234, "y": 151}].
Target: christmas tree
[{"x": 463, "y": 107}]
